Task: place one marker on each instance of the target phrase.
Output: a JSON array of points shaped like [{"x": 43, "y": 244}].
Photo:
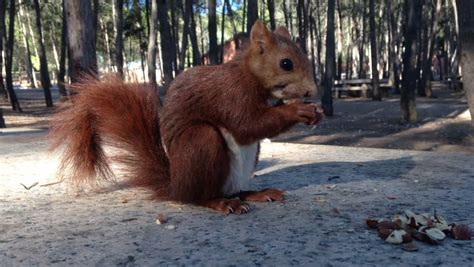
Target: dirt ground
[{"x": 443, "y": 122}]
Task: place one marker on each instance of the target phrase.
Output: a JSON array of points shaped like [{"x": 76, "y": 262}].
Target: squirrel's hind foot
[{"x": 265, "y": 195}]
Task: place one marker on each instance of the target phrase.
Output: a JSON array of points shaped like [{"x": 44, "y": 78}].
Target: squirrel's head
[{"x": 279, "y": 64}]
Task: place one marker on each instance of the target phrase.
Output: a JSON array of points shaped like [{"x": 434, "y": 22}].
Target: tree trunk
[
  {"x": 184, "y": 39},
  {"x": 271, "y": 13},
  {"x": 168, "y": 50},
  {"x": 27, "y": 31},
  {"x": 81, "y": 39},
  {"x": 465, "y": 9},
  {"x": 373, "y": 49},
  {"x": 118, "y": 5},
  {"x": 362, "y": 42},
  {"x": 326, "y": 99},
  {"x": 174, "y": 34},
  {"x": 244, "y": 11},
  {"x": 252, "y": 13},
  {"x": 9, "y": 58},
  {"x": 2, "y": 120},
  {"x": 212, "y": 26},
  {"x": 62, "y": 57},
  {"x": 192, "y": 34},
  {"x": 221, "y": 52},
  {"x": 3, "y": 90},
  {"x": 408, "y": 90},
  {"x": 151, "y": 56},
  {"x": 45, "y": 81},
  {"x": 431, "y": 49},
  {"x": 231, "y": 16},
  {"x": 302, "y": 24}
]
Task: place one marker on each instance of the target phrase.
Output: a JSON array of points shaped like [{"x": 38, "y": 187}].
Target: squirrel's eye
[{"x": 286, "y": 64}]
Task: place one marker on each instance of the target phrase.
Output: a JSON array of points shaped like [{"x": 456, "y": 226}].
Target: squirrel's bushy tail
[{"x": 123, "y": 117}]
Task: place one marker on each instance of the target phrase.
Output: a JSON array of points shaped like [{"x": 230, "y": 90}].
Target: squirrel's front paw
[{"x": 308, "y": 113}]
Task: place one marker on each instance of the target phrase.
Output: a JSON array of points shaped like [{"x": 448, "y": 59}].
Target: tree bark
[
  {"x": 168, "y": 49},
  {"x": 9, "y": 58},
  {"x": 362, "y": 42},
  {"x": 408, "y": 90},
  {"x": 118, "y": 5},
  {"x": 3, "y": 90},
  {"x": 192, "y": 33},
  {"x": 44, "y": 73},
  {"x": 221, "y": 52},
  {"x": 81, "y": 39},
  {"x": 2, "y": 120},
  {"x": 151, "y": 56},
  {"x": 212, "y": 26},
  {"x": 26, "y": 32},
  {"x": 326, "y": 99},
  {"x": 184, "y": 38},
  {"x": 252, "y": 14},
  {"x": 62, "y": 57},
  {"x": 373, "y": 49},
  {"x": 465, "y": 9},
  {"x": 431, "y": 49},
  {"x": 302, "y": 24},
  {"x": 231, "y": 16},
  {"x": 271, "y": 13}
]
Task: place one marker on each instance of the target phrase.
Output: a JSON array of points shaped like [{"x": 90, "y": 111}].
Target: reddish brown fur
[
  {"x": 123, "y": 116},
  {"x": 200, "y": 102}
]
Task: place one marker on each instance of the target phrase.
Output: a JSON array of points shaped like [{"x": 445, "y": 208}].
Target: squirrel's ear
[
  {"x": 283, "y": 32},
  {"x": 260, "y": 36}
]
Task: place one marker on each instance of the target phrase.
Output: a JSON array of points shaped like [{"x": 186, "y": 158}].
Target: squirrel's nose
[{"x": 308, "y": 94}]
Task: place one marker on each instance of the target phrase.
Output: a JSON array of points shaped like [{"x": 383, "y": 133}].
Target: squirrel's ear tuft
[
  {"x": 283, "y": 32},
  {"x": 260, "y": 36}
]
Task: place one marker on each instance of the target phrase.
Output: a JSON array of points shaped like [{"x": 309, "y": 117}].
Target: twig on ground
[
  {"x": 53, "y": 183},
  {"x": 29, "y": 187}
]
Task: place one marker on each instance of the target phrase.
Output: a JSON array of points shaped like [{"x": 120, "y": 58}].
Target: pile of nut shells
[{"x": 405, "y": 228}]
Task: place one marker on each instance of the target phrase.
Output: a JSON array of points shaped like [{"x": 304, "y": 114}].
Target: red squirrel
[{"x": 201, "y": 146}]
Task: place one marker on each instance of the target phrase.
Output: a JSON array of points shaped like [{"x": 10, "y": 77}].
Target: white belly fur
[{"x": 242, "y": 164}]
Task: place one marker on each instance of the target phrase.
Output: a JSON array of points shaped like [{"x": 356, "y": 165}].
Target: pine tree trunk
[
  {"x": 271, "y": 13},
  {"x": 212, "y": 26},
  {"x": 118, "y": 5},
  {"x": 408, "y": 89},
  {"x": 192, "y": 33},
  {"x": 302, "y": 24},
  {"x": 373, "y": 49},
  {"x": 465, "y": 9},
  {"x": 221, "y": 52},
  {"x": 3, "y": 90},
  {"x": 62, "y": 57},
  {"x": 9, "y": 58},
  {"x": 362, "y": 42},
  {"x": 431, "y": 49},
  {"x": 168, "y": 50},
  {"x": 231, "y": 16},
  {"x": 326, "y": 99},
  {"x": 26, "y": 32},
  {"x": 184, "y": 38},
  {"x": 252, "y": 13},
  {"x": 45, "y": 81},
  {"x": 81, "y": 39},
  {"x": 2, "y": 120},
  {"x": 151, "y": 55}
]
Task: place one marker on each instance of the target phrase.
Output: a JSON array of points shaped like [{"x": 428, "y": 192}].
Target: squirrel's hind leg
[{"x": 199, "y": 165}]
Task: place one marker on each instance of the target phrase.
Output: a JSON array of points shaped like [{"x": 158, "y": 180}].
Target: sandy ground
[{"x": 330, "y": 191}]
